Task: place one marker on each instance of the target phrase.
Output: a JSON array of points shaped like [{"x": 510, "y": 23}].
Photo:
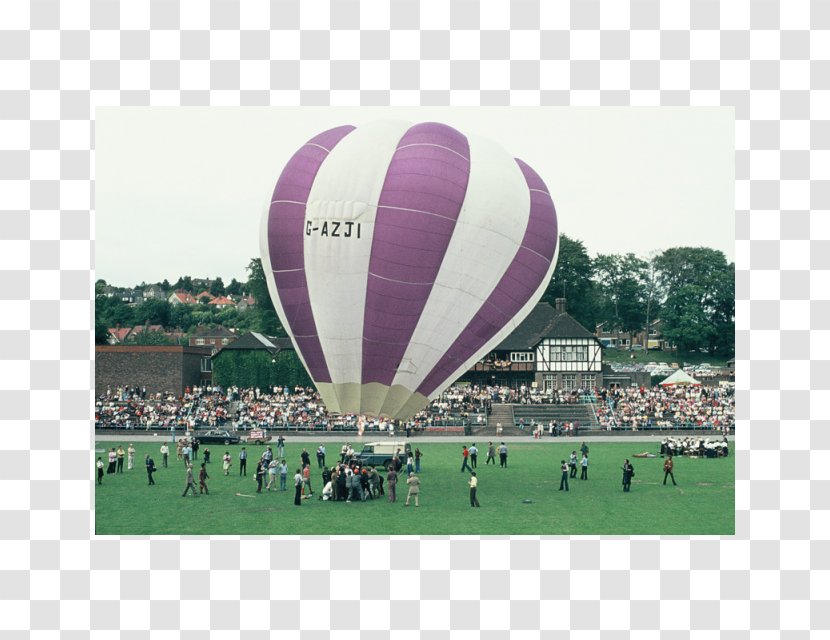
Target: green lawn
[{"x": 702, "y": 503}]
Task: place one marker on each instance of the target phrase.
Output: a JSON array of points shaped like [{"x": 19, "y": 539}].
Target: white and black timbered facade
[{"x": 549, "y": 348}]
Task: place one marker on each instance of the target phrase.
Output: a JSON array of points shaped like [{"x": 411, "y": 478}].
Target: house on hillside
[
  {"x": 215, "y": 337},
  {"x": 245, "y": 302},
  {"x": 130, "y": 296},
  {"x": 205, "y": 295},
  {"x": 181, "y": 297},
  {"x": 118, "y": 334},
  {"x": 548, "y": 350},
  {"x": 222, "y": 302},
  {"x": 154, "y": 292}
]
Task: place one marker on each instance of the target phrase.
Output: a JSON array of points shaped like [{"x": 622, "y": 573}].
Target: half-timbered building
[{"x": 548, "y": 350}]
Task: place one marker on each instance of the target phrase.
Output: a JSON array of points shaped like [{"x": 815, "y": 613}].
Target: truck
[
  {"x": 381, "y": 453},
  {"x": 258, "y": 436}
]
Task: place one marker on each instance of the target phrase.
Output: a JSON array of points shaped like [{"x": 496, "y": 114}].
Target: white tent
[{"x": 679, "y": 377}]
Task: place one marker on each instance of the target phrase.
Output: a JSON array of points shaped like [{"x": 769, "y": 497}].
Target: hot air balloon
[{"x": 398, "y": 255}]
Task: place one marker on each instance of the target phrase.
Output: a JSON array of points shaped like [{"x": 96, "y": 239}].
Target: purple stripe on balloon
[
  {"x": 286, "y": 220},
  {"x": 516, "y": 287},
  {"x": 419, "y": 204}
]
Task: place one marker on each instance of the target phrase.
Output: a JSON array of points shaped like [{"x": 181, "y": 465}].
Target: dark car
[{"x": 215, "y": 436}]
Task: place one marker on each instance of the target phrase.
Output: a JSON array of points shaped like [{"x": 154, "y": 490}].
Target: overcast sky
[{"x": 180, "y": 191}]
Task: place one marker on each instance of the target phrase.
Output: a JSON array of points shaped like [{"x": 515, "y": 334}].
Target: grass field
[
  {"x": 702, "y": 503},
  {"x": 642, "y": 357}
]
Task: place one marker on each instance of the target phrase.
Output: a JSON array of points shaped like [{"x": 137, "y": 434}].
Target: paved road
[{"x": 134, "y": 436}]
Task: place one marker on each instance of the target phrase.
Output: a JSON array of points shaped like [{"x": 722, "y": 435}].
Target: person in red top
[{"x": 465, "y": 455}]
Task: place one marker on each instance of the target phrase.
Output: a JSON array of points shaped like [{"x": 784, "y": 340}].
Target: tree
[
  {"x": 697, "y": 286},
  {"x": 217, "y": 287},
  {"x": 184, "y": 283},
  {"x": 572, "y": 280},
  {"x": 620, "y": 279},
  {"x": 267, "y": 320},
  {"x": 234, "y": 288},
  {"x": 152, "y": 338},
  {"x": 165, "y": 284},
  {"x": 154, "y": 312}
]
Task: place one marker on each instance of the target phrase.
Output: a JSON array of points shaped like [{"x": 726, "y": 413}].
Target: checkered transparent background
[{"x": 61, "y": 60}]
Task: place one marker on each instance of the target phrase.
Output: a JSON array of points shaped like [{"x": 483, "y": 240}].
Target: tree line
[{"x": 691, "y": 290}]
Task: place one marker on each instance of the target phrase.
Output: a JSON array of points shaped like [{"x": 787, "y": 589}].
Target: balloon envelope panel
[{"x": 397, "y": 255}]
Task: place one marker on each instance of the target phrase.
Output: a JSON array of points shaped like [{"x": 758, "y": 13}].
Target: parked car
[{"x": 214, "y": 436}]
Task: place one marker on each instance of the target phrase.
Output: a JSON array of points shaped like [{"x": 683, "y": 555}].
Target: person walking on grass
[
  {"x": 563, "y": 482},
  {"x": 191, "y": 485},
  {"x": 584, "y": 475},
  {"x": 473, "y": 456},
  {"x": 391, "y": 483},
  {"x": 307, "y": 480},
  {"x": 273, "y": 468},
  {"x": 151, "y": 469},
  {"x": 572, "y": 464},
  {"x": 473, "y": 482},
  {"x": 226, "y": 463},
  {"x": 203, "y": 477},
  {"x": 465, "y": 454},
  {"x": 100, "y": 467},
  {"x": 491, "y": 454},
  {"x": 414, "y": 483},
  {"x": 668, "y": 470},
  {"x": 628, "y": 473},
  {"x": 258, "y": 473}
]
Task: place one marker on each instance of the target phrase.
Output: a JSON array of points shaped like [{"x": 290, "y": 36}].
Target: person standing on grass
[
  {"x": 628, "y": 473},
  {"x": 111, "y": 460},
  {"x": 563, "y": 482},
  {"x": 418, "y": 455},
  {"x": 584, "y": 475},
  {"x": 473, "y": 482},
  {"x": 283, "y": 475},
  {"x": 473, "y": 456},
  {"x": 503, "y": 455},
  {"x": 258, "y": 473},
  {"x": 584, "y": 449},
  {"x": 130, "y": 457},
  {"x": 243, "y": 462},
  {"x": 281, "y": 446},
  {"x": 191, "y": 485},
  {"x": 151, "y": 468},
  {"x": 186, "y": 451},
  {"x": 307, "y": 480},
  {"x": 305, "y": 458},
  {"x": 120, "y": 455},
  {"x": 298, "y": 488},
  {"x": 668, "y": 470},
  {"x": 271, "y": 470},
  {"x": 465, "y": 454},
  {"x": 226, "y": 463},
  {"x": 414, "y": 483},
  {"x": 572, "y": 464},
  {"x": 410, "y": 464},
  {"x": 391, "y": 482},
  {"x": 165, "y": 452},
  {"x": 100, "y": 467},
  {"x": 203, "y": 477},
  {"x": 491, "y": 453}
]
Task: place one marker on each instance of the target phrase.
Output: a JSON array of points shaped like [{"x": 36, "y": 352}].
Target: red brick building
[{"x": 214, "y": 337}]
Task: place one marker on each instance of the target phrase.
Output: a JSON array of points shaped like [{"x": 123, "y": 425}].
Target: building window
[
  {"x": 568, "y": 381},
  {"x": 548, "y": 382},
  {"x": 224, "y": 341},
  {"x": 589, "y": 381},
  {"x": 521, "y": 356},
  {"x": 568, "y": 354},
  {"x": 200, "y": 341},
  {"x": 206, "y": 364}
]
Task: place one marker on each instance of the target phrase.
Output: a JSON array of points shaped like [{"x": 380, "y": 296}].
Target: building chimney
[{"x": 561, "y": 305}]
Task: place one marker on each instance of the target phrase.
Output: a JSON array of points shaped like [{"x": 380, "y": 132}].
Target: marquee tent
[{"x": 679, "y": 377}]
